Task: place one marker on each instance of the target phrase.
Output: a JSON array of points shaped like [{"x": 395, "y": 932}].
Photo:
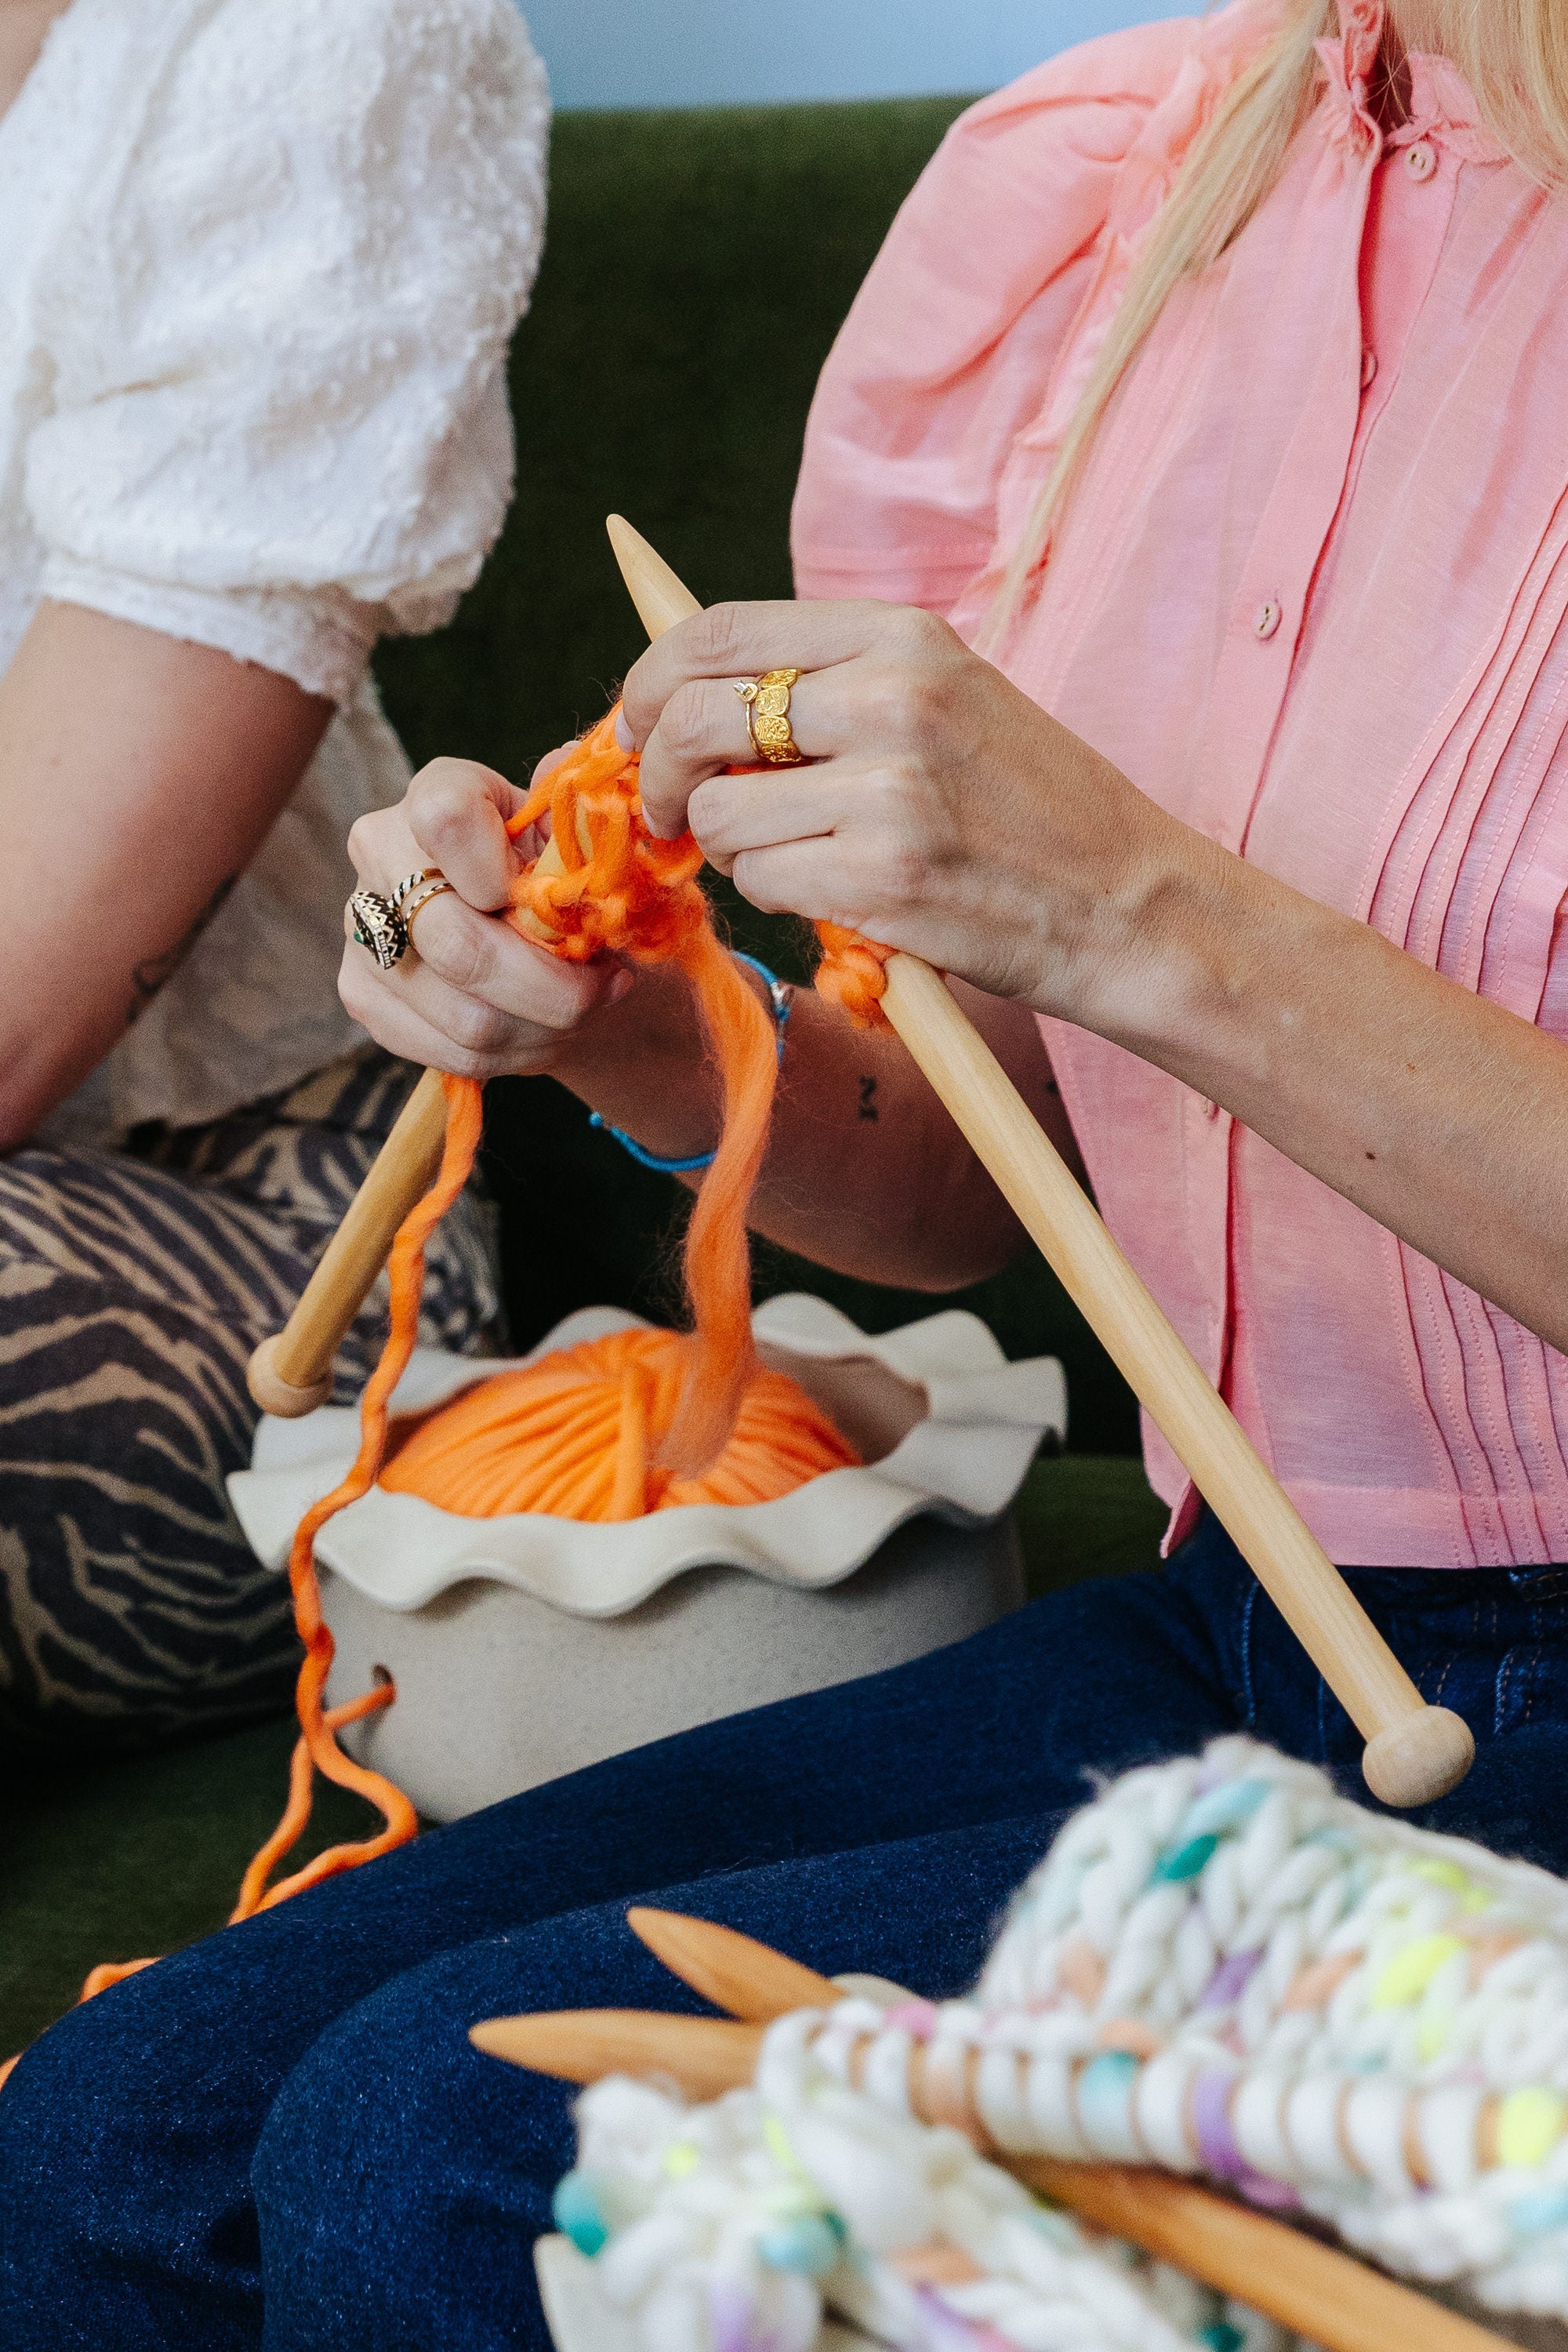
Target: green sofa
[{"x": 697, "y": 268}]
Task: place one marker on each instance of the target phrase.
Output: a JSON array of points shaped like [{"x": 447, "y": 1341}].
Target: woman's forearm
[
  {"x": 865, "y": 1170},
  {"x": 1441, "y": 1115},
  {"x": 139, "y": 774}
]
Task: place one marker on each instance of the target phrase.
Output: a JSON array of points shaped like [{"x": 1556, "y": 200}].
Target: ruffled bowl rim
[{"x": 964, "y": 1462}]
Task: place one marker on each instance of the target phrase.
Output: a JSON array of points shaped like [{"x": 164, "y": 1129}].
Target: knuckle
[
  {"x": 361, "y": 842},
  {"x": 717, "y": 634},
  {"x": 683, "y": 730},
  {"x": 903, "y": 866},
  {"x": 921, "y": 634},
  {"x": 891, "y": 697},
  {"x": 749, "y": 872},
  {"x": 706, "y": 813},
  {"x": 459, "y": 952},
  {"x": 640, "y": 690},
  {"x": 443, "y": 795},
  {"x": 480, "y": 1028}
]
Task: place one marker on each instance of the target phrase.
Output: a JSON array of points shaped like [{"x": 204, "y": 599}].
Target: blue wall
[{"x": 713, "y": 52}]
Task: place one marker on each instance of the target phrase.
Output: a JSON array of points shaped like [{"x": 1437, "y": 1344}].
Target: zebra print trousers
[{"x": 133, "y": 1286}]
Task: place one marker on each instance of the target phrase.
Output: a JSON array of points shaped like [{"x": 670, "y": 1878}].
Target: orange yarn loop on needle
[
  {"x": 577, "y": 1435},
  {"x": 853, "y": 974}
]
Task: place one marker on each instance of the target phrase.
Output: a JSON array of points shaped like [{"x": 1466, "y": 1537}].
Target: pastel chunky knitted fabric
[
  {"x": 1221, "y": 1968},
  {"x": 739, "y": 2226}
]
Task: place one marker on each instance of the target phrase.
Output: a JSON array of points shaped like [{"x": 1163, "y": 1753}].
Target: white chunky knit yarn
[
  {"x": 1224, "y": 1967},
  {"x": 1221, "y": 1967},
  {"x": 733, "y": 2227}
]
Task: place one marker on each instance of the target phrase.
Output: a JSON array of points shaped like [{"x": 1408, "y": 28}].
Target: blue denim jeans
[{"x": 282, "y": 2136}]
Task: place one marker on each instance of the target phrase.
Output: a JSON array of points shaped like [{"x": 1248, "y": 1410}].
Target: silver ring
[{"x": 379, "y": 928}]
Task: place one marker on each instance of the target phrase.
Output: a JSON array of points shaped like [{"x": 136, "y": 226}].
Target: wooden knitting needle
[
  {"x": 291, "y": 1373},
  {"x": 1326, "y": 2296},
  {"x": 1415, "y": 1752}
]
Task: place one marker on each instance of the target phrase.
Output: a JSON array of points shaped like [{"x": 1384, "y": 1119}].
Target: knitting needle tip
[
  {"x": 661, "y": 598},
  {"x": 733, "y": 1971},
  {"x": 704, "y": 2056}
]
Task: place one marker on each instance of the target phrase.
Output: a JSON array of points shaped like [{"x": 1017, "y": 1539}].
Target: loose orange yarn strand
[
  {"x": 318, "y": 1745},
  {"x": 734, "y": 1434},
  {"x": 631, "y": 894}
]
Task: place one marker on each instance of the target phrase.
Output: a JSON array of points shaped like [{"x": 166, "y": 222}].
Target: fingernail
[
  {"x": 622, "y": 985},
  {"x": 624, "y": 736}
]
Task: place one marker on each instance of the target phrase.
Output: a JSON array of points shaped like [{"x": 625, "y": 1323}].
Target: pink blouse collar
[{"x": 1441, "y": 101}]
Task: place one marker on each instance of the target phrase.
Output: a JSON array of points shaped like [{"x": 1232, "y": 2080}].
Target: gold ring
[{"x": 767, "y": 718}]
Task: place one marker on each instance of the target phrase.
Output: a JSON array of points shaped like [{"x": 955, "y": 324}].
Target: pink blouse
[{"x": 1309, "y": 597}]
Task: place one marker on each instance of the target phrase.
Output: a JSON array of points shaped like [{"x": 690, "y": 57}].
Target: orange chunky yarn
[
  {"x": 853, "y": 974},
  {"x": 628, "y": 893},
  {"x": 642, "y": 1422},
  {"x": 577, "y": 1435},
  {"x": 620, "y": 891}
]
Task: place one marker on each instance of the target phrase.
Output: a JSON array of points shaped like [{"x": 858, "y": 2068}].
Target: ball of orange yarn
[{"x": 576, "y": 1435}]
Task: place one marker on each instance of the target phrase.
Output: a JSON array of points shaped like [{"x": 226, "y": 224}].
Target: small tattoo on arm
[
  {"x": 867, "y": 1098},
  {"x": 154, "y": 972}
]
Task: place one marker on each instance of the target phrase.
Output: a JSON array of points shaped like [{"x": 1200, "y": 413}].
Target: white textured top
[{"x": 262, "y": 261}]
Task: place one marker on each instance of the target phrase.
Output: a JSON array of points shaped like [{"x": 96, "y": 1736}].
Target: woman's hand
[
  {"x": 471, "y": 996},
  {"x": 946, "y": 813}
]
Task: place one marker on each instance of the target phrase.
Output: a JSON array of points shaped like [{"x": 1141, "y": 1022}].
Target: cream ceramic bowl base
[{"x": 497, "y": 1691}]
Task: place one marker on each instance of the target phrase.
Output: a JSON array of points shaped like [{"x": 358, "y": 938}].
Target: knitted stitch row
[
  {"x": 1222, "y": 1968},
  {"x": 736, "y": 2227}
]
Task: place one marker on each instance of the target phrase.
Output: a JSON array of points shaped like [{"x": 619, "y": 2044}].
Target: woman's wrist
[
  {"x": 643, "y": 1067},
  {"x": 1120, "y": 904},
  {"x": 1198, "y": 947}
]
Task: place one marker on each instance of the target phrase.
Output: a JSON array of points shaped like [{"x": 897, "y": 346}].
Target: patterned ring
[
  {"x": 406, "y": 888},
  {"x": 767, "y": 718},
  {"x": 379, "y": 928},
  {"x": 428, "y": 886}
]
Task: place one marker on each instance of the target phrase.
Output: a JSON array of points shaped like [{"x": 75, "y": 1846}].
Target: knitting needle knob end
[
  {"x": 276, "y": 1395},
  {"x": 1419, "y": 1758}
]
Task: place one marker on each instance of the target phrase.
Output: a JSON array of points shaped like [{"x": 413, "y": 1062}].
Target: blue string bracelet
[{"x": 779, "y": 993}]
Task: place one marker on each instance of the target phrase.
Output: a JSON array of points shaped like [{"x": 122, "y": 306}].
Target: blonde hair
[{"x": 1513, "y": 53}]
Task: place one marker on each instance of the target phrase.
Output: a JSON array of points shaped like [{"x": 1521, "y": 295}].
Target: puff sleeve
[
  {"x": 278, "y": 327},
  {"x": 953, "y": 349}
]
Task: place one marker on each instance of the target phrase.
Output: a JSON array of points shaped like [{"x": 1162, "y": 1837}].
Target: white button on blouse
[{"x": 262, "y": 262}]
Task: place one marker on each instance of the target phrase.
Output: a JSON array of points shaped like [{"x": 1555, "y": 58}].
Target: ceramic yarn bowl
[{"x": 525, "y": 1647}]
